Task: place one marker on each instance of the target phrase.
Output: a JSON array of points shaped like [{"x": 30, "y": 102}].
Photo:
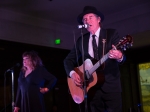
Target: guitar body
[
  {"x": 77, "y": 92},
  {"x": 94, "y": 69}
]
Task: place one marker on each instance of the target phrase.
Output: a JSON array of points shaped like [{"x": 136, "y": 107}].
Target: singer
[
  {"x": 31, "y": 84},
  {"x": 97, "y": 42}
]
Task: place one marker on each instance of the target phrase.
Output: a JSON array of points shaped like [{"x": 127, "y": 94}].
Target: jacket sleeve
[
  {"x": 72, "y": 58},
  {"x": 115, "y": 40},
  {"x": 50, "y": 78}
]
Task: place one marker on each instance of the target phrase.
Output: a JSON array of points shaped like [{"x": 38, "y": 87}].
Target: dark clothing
[
  {"x": 111, "y": 68},
  {"x": 29, "y": 98},
  {"x": 112, "y": 102}
]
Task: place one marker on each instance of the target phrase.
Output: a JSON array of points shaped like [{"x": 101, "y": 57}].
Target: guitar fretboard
[
  {"x": 122, "y": 44},
  {"x": 99, "y": 63}
]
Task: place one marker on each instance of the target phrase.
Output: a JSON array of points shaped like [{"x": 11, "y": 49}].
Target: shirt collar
[{"x": 97, "y": 33}]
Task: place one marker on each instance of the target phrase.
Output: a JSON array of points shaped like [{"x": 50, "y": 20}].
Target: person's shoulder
[
  {"x": 111, "y": 31},
  {"x": 84, "y": 36},
  {"x": 40, "y": 67}
]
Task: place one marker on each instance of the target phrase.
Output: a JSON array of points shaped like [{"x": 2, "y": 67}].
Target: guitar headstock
[{"x": 125, "y": 42}]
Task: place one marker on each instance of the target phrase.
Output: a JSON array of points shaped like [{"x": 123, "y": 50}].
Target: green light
[{"x": 57, "y": 41}]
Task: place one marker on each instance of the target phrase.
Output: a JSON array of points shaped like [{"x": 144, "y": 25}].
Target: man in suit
[{"x": 108, "y": 94}]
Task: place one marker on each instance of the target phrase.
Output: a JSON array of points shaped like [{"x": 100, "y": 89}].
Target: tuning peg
[
  {"x": 124, "y": 37},
  {"x": 121, "y": 40},
  {"x": 124, "y": 49},
  {"x": 124, "y": 45},
  {"x": 121, "y": 47},
  {"x": 128, "y": 46}
]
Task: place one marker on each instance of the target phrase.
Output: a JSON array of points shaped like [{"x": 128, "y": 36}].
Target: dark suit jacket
[{"x": 111, "y": 70}]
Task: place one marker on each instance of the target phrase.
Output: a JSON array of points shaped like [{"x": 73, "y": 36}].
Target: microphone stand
[
  {"x": 12, "y": 73},
  {"x": 84, "y": 78}
]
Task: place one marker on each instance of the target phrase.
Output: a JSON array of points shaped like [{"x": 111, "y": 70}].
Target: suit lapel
[
  {"x": 86, "y": 44},
  {"x": 100, "y": 44}
]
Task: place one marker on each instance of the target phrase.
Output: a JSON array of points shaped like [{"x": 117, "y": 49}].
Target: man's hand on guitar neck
[
  {"x": 115, "y": 54},
  {"x": 76, "y": 78}
]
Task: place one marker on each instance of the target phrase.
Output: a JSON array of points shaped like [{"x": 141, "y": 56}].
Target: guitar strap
[
  {"x": 104, "y": 44},
  {"x": 104, "y": 41}
]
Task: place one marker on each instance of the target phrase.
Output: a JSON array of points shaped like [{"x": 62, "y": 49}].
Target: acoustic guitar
[{"x": 77, "y": 92}]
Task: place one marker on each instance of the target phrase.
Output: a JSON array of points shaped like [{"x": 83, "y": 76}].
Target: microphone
[
  {"x": 16, "y": 65},
  {"x": 83, "y": 26}
]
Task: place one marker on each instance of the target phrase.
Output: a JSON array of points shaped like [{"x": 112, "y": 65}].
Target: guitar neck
[{"x": 99, "y": 63}]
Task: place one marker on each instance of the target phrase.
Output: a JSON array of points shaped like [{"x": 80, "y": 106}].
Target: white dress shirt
[{"x": 90, "y": 49}]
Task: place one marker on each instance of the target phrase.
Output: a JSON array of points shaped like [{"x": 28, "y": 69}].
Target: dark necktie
[{"x": 95, "y": 48}]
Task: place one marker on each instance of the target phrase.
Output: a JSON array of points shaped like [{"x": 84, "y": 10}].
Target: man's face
[{"x": 93, "y": 21}]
